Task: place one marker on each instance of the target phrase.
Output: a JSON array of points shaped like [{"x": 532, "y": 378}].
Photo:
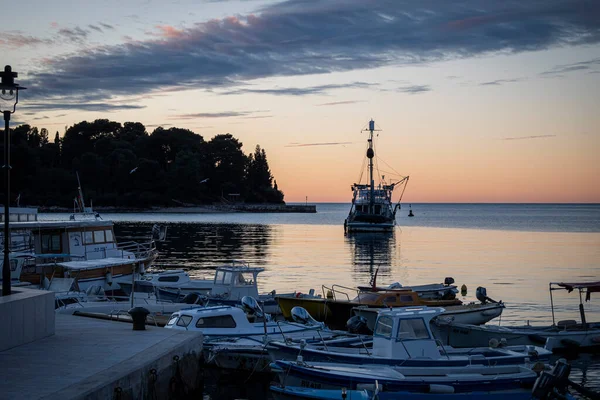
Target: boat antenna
[{"x": 80, "y": 201}]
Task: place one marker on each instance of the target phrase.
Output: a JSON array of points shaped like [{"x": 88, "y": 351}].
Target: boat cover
[{"x": 592, "y": 287}]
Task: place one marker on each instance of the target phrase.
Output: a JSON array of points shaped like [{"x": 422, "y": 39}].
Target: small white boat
[
  {"x": 232, "y": 341},
  {"x": 472, "y": 313},
  {"x": 228, "y": 286},
  {"x": 560, "y": 336},
  {"x": 403, "y": 336}
]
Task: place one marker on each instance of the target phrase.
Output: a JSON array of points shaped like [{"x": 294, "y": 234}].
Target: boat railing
[
  {"x": 140, "y": 250},
  {"x": 335, "y": 290}
]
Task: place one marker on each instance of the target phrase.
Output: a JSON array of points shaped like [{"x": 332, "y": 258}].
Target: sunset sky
[{"x": 478, "y": 101}]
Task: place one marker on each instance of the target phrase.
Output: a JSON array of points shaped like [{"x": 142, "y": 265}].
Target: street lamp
[{"x": 9, "y": 97}]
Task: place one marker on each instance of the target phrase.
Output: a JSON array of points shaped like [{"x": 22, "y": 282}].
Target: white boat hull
[{"x": 463, "y": 335}]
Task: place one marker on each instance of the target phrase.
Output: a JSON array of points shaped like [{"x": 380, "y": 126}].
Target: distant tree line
[{"x": 122, "y": 165}]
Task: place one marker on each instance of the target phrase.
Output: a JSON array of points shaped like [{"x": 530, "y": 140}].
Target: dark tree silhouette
[{"x": 122, "y": 165}]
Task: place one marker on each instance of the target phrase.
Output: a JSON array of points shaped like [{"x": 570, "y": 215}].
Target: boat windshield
[
  {"x": 412, "y": 329},
  {"x": 366, "y": 298},
  {"x": 384, "y": 327}
]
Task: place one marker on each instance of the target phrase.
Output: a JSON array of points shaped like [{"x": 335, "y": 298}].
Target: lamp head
[{"x": 9, "y": 90}]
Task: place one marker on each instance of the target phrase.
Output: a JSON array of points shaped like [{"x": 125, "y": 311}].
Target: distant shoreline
[{"x": 220, "y": 208}]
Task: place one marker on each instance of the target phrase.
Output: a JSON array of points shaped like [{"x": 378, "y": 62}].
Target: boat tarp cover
[
  {"x": 99, "y": 263},
  {"x": 592, "y": 287}
]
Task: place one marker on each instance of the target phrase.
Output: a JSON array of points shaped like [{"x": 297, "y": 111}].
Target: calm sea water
[{"x": 514, "y": 250}]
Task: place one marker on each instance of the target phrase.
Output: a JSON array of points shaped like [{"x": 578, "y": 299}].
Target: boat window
[
  {"x": 109, "y": 235},
  {"x": 99, "y": 236},
  {"x": 222, "y": 321},
  {"x": 384, "y": 327},
  {"x": 173, "y": 319},
  {"x": 184, "y": 320},
  {"x": 51, "y": 243},
  {"x": 89, "y": 237},
  {"x": 366, "y": 298},
  {"x": 412, "y": 329},
  {"x": 227, "y": 278},
  {"x": 406, "y": 298},
  {"x": 244, "y": 279},
  {"x": 172, "y": 278},
  {"x": 390, "y": 299},
  {"x": 219, "y": 277}
]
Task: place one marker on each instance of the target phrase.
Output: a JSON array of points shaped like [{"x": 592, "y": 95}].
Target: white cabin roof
[{"x": 99, "y": 263}]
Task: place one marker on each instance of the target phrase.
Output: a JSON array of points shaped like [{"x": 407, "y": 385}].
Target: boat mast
[{"x": 370, "y": 155}]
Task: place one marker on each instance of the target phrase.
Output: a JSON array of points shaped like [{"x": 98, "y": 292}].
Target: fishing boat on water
[{"x": 372, "y": 209}]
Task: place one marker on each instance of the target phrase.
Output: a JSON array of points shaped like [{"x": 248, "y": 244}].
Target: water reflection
[
  {"x": 204, "y": 246},
  {"x": 372, "y": 251}
]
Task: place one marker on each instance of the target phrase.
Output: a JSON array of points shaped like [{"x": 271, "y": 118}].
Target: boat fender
[
  {"x": 463, "y": 290},
  {"x": 298, "y": 294},
  {"x": 441, "y": 389},
  {"x": 494, "y": 343}
]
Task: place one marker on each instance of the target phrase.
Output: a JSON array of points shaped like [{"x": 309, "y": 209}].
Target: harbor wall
[
  {"x": 27, "y": 315},
  {"x": 156, "y": 374}
]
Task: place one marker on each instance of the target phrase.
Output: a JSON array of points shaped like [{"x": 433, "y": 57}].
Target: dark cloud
[
  {"x": 76, "y": 34},
  {"x": 528, "y": 137},
  {"x": 103, "y": 107},
  {"x": 96, "y": 28},
  {"x": 17, "y": 40},
  {"x": 558, "y": 70},
  {"x": 300, "y": 37},
  {"x": 301, "y": 91},
  {"x": 339, "y": 103},
  {"x": 224, "y": 114},
  {"x": 414, "y": 89},
  {"x": 106, "y": 26},
  {"x": 500, "y": 82},
  {"x": 317, "y": 144}
]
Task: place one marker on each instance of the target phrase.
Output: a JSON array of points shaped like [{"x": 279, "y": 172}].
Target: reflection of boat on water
[
  {"x": 372, "y": 209},
  {"x": 372, "y": 251}
]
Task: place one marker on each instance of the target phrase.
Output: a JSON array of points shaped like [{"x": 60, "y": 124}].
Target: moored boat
[
  {"x": 560, "y": 336},
  {"x": 372, "y": 209},
  {"x": 403, "y": 337}
]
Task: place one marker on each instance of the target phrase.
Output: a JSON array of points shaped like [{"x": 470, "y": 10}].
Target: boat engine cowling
[
  {"x": 358, "y": 324},
  {"x": 250, "y": 306},
  {"x": 481, "y": 294},
  {"x": 301, "y": 316}
]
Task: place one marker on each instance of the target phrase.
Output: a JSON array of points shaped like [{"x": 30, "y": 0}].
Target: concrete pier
[{"x": 96, "y": 359}]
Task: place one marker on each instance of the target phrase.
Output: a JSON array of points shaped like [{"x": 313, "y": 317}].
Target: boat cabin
[
  {"x": 217, "y": 320},
  {"x": 399, "y": 298},
  {"x": 236, "y": 281},
  {"x": 404, "y": 333}
]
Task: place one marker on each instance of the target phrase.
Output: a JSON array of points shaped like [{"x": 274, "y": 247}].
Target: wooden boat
[
  {"x": 403, "y": 336},
  {"x": 372, "y": 209},
  {"x": 335, "y": 308},
  {"x": 83, "y": 247},
  {"x": 560, "y": 336}
]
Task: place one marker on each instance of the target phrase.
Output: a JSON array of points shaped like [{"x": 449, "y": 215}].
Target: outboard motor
[
  {"x": 448, "y": 281},
  {"x": 252, "y": 308},
  {"x": 481, "y": 294},
  {"x": 358, "y": 325},
  {"x": 301, "y": 316}
]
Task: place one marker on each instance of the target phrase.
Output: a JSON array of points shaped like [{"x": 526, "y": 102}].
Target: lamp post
[{"x": 9, "y": 97}]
